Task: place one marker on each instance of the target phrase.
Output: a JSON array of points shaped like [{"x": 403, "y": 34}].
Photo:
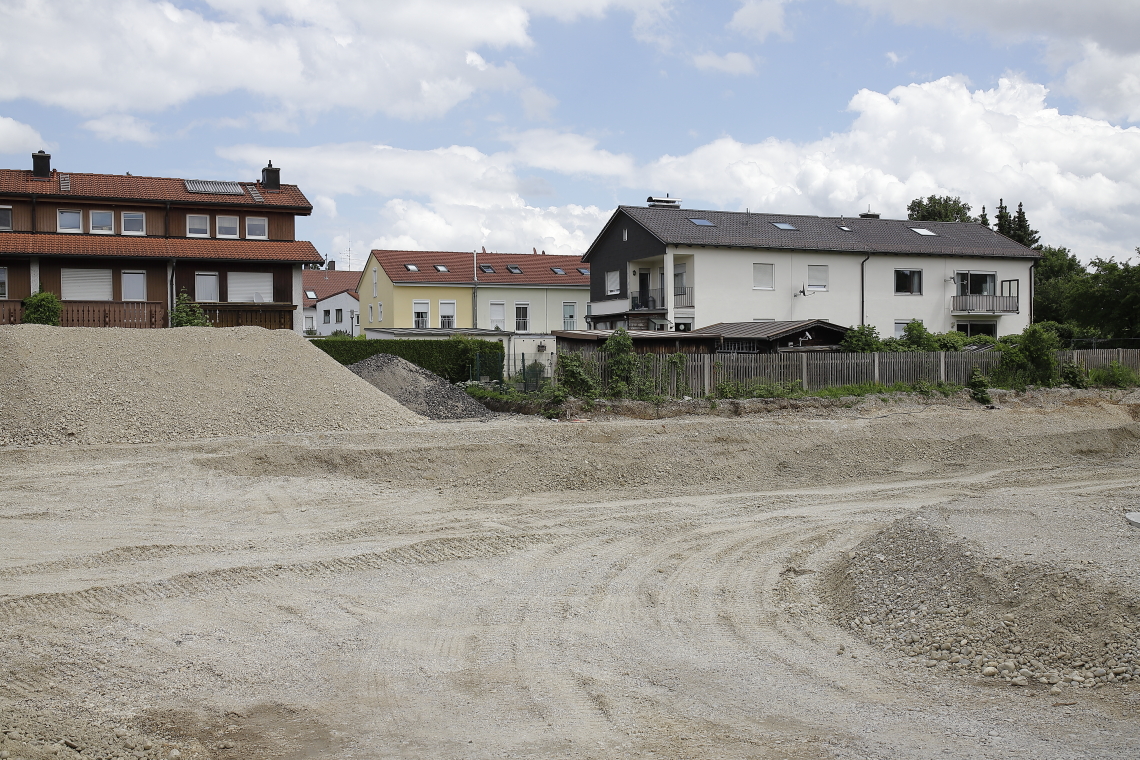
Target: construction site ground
[{"x": 818, "y": 583}]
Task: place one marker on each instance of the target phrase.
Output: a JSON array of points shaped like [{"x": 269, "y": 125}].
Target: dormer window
[
  {"x": 257, "y": 227},
  {"x": 411, "y": 267},
  {"x": 133, "y": 223},
  {"x": 487, "y": 268},
  {"x": 441, "y": 268},
  {"x": 197, "y": 225},
  {"x": 103, "y": 222},
  {"x": 514, "y": 269},
  {"x": 227, "y": 226}
]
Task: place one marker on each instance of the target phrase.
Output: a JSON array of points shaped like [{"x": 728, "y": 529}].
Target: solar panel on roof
[{"x": 213, "y": 188}]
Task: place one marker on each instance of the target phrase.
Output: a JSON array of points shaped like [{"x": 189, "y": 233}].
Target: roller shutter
[
  {"x": 251, "y": 287},
  {"x": 86, "y": 284}
]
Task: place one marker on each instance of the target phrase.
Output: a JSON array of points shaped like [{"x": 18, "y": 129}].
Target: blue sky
[{"x": 512, "y": 124}]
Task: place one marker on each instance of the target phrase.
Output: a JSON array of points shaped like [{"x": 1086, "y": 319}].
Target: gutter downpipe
[
  {"x": 1032, "y": 274},
  {"x": 172, "y": 298},
  {"x": 475, "y": 290},
  {"x": 863, "y": 290}
]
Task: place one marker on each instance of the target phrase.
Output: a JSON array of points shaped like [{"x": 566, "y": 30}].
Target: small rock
[{"x": 989, "y": 671}]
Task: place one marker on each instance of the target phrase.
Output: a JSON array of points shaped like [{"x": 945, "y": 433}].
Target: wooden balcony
[
  {"x": 271, "y": 316},
  {"x": 147, "y": 314}
]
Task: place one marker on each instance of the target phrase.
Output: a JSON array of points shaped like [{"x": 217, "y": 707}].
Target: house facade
[
  {"x": 331, "y": 303},
  {"x": 662, "y": 267},
  {"x": 118, "y": 249}
]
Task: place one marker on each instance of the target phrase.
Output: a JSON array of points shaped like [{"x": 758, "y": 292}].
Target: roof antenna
[{"x": 484, "y": 248}]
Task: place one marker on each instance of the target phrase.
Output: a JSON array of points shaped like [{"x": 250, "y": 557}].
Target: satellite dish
[{"x": 803, "y": 291}]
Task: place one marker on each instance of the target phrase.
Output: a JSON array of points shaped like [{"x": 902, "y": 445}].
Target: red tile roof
[
  {"x": 327, "y": 283},
  {"x": 124, "y": 188},
  {"x": 537, "y": 269},
  {"x": 62, "y": 244}
]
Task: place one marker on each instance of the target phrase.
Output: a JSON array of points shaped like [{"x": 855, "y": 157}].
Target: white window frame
[
  {"x": 123, "y": 284},
  {"x": 91, "y": 221},
  {"x": 826, "y": 277},
  {"x": 123, "y": 223},
  {"x": 11, "y": 221},
  {"x": 757, "y": 268},
  {"x": 310, "y": 323},
  {"x": 339, "y": 316},
  {"x": 3, "y": 283},
  {"x": 426, "y": 311},
  {"x": 613, "y": 283},
  {"x": 198, "y": 234},
  {"x": 236, "y": 226},
  {"x": 326, "y": 317},
  {"x": 108, "y": 278},
  {"x": 264, "y": 220},
  {"x": 572, "y": 320},
  {"x": 217, "y": 286},
  {"x": 900, "y": 327},
  {"x": 522, "y": 305},
  {"x": 234, "y": 285},
  {"x": 502, "y": 321},
  {"x": 453, "y": 315},
  {"x": 370, "y": 313},
  {"x": 59, "y": 219}
]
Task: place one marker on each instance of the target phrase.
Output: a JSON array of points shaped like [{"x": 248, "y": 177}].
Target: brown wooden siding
[
  {"x": 281, "y": 226},
  {"x": 51, "y": 276},
  {"x": 282, "y": 277},
  {"x": 19, "y": 278},
  {"x": 21, "y": 214}
]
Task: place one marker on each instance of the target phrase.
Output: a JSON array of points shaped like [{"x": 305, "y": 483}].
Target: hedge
[{"x": 454, "y": 358}]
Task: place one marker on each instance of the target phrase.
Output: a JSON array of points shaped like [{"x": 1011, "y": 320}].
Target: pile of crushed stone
[
  {"x": 114, "y": 385},
  {"x": 918, "y": 589},
  {"x": 419, "y": 389}
]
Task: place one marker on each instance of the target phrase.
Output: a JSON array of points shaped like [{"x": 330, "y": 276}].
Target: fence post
[
  {"x": 803, "y": 371},
  {"x": 876, "y": 365},
  {"x": 706, "y": 373},
  {"x": 941, "y": 366}
]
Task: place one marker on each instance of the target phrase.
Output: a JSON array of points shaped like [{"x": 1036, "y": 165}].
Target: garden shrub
[
  {"x": 42, "y": 308},
  {"x": 186, "y": 313},
  {"x": 1115, "y": 375}
]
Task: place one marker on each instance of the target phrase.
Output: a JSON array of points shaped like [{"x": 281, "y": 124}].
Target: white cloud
[
  {"x": 410, "y": 60},
  {"x": 1078, "y": 177},
  {"x": 537, "y": 105},
  {"x": 760, "y": 19},
  {"x": 729, "y": 63},
  {"x": 894, "y": 58},
  {"x": 17, "y": 137},
  {"x": 1107, "y": 83},
  {"x": 121, "y": 127}
]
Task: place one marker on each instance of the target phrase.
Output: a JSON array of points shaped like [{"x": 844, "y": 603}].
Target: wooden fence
[
  {"x": 701, "y": 374},
  {"x": 145, "y": 314}
]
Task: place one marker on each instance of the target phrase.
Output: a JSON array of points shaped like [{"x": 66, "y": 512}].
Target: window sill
[
  {"x": 102, "y": 232},
  {"x": 256, "y": 237},
  {"x": 133, "y": 234},
  {"x": 192, "y": 235},
  {"x": 70, "y": 232},
  {"x": 755, "y": 288}
]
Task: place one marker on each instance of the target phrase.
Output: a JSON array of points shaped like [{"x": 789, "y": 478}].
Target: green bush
[
  {"x": 455, "y": 358},
  {"x": 1028, "y": 359},
  {"x": 623, "y": 364},
  {"x": 979, "y": 386},
  {"x": 1074, "y": 375},
  {"x": 186, "y": 313},
  {"x": 42, "y": 309},
  {"x": 1115, "y": 375},
  {"x": 863, "y": 339},
  {"x": 577, "y": 375}
]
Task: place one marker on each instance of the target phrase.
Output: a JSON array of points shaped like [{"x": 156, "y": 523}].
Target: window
[
  {"x": 558, "y": 270},
  {"x": 311, "y": 294},
  {"x": 257, "y": 227},
  {"x": 86, "y": 285},
  {"x": 613, "y": 283},
  {"x": 411, "y": 267},
  {"x": 763, "y": 276},
  {"x": 817, "y": 277},
  {"x": 702, "y": 222},
  {"x": 924, "y": 231},
  {"x": 134, "y": 285},
  {"x": 197, "y": 225},
  {"x": 680, "y": 275},
  {"x": 975, "y": 283},
  {"x": 370, "y": 313},
  {"x": 249, "y": 287},
  {"x": 514, "y": 269},
  {"x": 441, "y": 268},
  {"x": 134, "y": 223},
  {"x": 908, "y": 282},
  {"x": 375, "y": 282},
  {"x": 70, "y": 221},
  {"x": 498, "y": 315},
  {"x": 585, "y": 272},
  {"x": 328, "y": 316},
  {"x": 625, "y": 235},
  {"x": 5, "y": 217},
  {"x": 486, "y": 268},
  {"x": 522, "y": 317},
  {"x": 1010, "y": 288},
  {"x": 447, "y": 314},
  {"x": 784, "y": 226},
  {"x": 309, "y": 326},
  {"x": 103, "y": 222},
  {"x": 380, "y": 312},
  {"x": 569, "y": 315},
  {"x": 420, "y": 313},
  {"x": 978, "y": 328},
  {"x": 900, "y": 327},
  {"x": 227, "y": 226},
  {"x": 206, "y": 287},
  {"x": 339, "y": 316},
  {"x": 845, "y": 229},
  {"x": 3, "y": 283}
]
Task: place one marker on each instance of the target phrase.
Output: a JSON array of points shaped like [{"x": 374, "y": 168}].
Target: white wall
[
  {"x": 349, "y": 306},
  {"x": 545, "y": 305}
]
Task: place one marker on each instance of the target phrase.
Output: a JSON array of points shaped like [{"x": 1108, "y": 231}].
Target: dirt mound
[
  {"x": 418, "y": 389},
  {"x": 109, "y": 385}
]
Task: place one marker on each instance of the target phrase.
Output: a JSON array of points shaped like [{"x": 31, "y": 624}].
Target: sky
[{"x": 521, "y": 124}]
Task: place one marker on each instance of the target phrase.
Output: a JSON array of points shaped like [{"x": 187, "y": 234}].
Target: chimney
[
  {"x": 665, "y": 202},
  {"x": 41, "y": 164},
  {"x": 868, "y": 215},
  {"x": 271, "y": 177},
  {"x": 331, "y": 266}
]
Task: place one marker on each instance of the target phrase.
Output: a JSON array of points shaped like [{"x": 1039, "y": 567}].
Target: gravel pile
[
  {"x": 418, "y": 389},
  {"x": 918, "y": 588},
  {"x": 111, "y": 385}
]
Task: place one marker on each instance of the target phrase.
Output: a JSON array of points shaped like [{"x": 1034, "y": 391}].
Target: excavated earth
[{"x": 902, "y": 580}]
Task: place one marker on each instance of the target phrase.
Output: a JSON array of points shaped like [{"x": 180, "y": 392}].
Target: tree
[
  {"x": 939, "y": 208},
  {"x": 187, "y": 313},
  {"x": 1004, "y": 222},
  {"x": 1108, "y": 298},
  {"x": 1055, "y": 278},
  {"x": 1022, "y": 232},
  {"x": 983, "y": 219},
  {"x": 861, "y": 340}
]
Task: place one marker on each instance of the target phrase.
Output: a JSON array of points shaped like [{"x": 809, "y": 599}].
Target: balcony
[
  {"x": 983, "y": 304},
  {"x": 522, "y": 325},
  {"x": 271, "y": 316},
  {"x": 647, "y": 299},
  {"x": 682, "y": 297},
  {"x": 96, "y": 313},
  {"x": 569, "y": 324}
]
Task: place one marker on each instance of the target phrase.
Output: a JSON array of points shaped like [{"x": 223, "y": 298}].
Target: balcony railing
[
  {"x": 498, "y": 324},
  {"x": 522, "y": 325},
  {"x": 569, "y": 324},
  {"x": 11, "y": 312},
  {"x": 647, "y": 299},
  {"x": 682, "y": 297},
  {"x": 271, "y": 316},
  {"x": 146, "y": 314},
  {"x": 984, "y": 304}
]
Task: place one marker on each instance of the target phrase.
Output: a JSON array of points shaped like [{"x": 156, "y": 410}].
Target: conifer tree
[
  {"x": 1004, "y": 224},
  {"x": 983, "y": 219},
  {"x": 1022, "y": 232}
]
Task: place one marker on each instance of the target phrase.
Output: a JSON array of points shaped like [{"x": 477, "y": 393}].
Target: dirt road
[{"x": 527, "y": 588}]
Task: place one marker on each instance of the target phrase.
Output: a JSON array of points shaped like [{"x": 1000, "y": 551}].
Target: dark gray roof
[
  {"x": 820, "y": 233},
  {"x": 765, "y": 330}
]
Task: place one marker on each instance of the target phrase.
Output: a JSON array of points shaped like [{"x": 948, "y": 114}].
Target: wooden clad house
[{"x": 118, "y": 249}]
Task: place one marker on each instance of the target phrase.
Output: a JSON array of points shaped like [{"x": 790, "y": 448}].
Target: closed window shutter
[
  {"x": 250, "y": 287},
  {"x": 86, "y": 284}
]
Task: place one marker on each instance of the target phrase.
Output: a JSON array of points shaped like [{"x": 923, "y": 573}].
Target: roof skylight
[
  {"x": 702, "y": 222},
  {"x": 411, "y": 267},
  {"x": 924, "y": 231},
  {"x": 514, "y": 269},
  {"x": 584, "y": 271},
  {"x": 441, "y": 268},
  {"x": 784, "y": 226},
  {"x": 558, "y": 270},
  {"x": 845, "y": 229},
  {"x": 311, "y": 294},
  {"x": 486, "y": 268}
]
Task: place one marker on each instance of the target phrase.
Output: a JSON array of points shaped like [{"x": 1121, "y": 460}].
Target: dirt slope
[{"x": 420, "y": 390}]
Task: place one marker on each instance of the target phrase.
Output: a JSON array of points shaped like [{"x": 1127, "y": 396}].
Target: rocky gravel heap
[
  {"x": 114, "y": 385},
  {"x": 420, "y": 390},
  {"x": 918, "y": 588}
]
